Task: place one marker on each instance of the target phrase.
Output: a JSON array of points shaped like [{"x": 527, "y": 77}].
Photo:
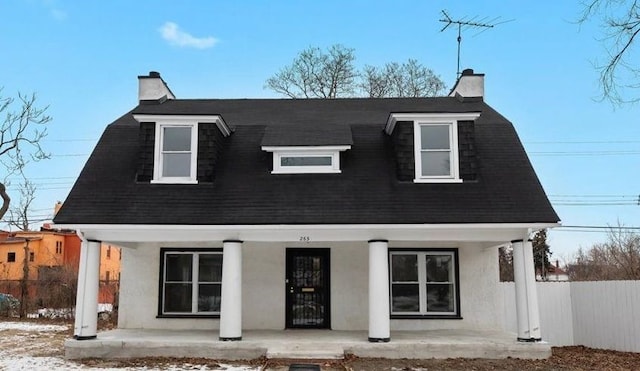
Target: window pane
[
  {"x": 436, "y": 163},
  {"x": 439, "y": 297},
  {"x": 178, "y": 267},
  {"x": 405, "y": 298},
  {"x": 177, "y": 297},
  {"x": 176, "y": 164},
  {"x": 305, "y": 161},
  {"x": 176, "y": 139},
  {"x": 210, "y": 268},
  {"x": 435, "y": 137},
  {"x": 439, "y": 268},
  {"x": 209, "y": 297},
  {"x": 404, "y": 268}
]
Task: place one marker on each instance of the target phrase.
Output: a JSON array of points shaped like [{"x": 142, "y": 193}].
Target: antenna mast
[{"x": 472, "y": 22}]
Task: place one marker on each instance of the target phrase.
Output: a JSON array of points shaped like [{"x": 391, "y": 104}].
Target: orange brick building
[{"x": 49, "y": 261}]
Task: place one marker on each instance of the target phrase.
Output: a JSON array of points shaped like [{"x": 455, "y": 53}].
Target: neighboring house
[
  {"x": 343, "y": 214},
  {"x": 109, "y": 273},
  {"x": 53, "y": 256},
  {"x": 553, "y": 273},
  {"x": 46, "y": 248}
]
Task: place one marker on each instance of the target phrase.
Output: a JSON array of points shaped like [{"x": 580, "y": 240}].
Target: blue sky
[{"x": 82, "y": 59}]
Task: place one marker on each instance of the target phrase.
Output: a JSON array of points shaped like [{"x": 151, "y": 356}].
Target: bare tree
[
  {"x": 505, "y": 263},
  {"x": 316, "y": 74},
  {"x": 332, "y": 74},
  {"x": 24, "y": 281},
  {"x": 620, "y": 73},
  {"x": 616, "y": 259},
  {"x": 410, "y": 79},
  {"x": 19, "y": 216},
  {"x": 21, "y": 131}
]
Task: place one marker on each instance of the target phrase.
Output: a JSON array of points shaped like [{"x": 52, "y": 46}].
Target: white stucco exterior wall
[
  {"x": 138, "y": 301},
  {"x": 264, "y": 289},
  {"x": 479, "y": 300},
  {"x": 350, "y": 286},
  {"x": 263, "y": 286}
]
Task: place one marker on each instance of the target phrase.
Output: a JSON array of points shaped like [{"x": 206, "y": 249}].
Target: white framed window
[
  {"x": 435, "y": 144},
  {"x": 176, "y": 145},
  {"x": 191, "y": 282},
  {"x": 436, "y": 150},
  {"x": 301, "y": 160},
  {"x": 176, "y": 149},
  {"x": 424, "y": 283}
]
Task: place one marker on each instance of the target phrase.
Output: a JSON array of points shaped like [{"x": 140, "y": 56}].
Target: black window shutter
[{"x": 146, "y": 141}]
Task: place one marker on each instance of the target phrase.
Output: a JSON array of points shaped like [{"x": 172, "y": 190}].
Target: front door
[{"x": 307, "y": 285}]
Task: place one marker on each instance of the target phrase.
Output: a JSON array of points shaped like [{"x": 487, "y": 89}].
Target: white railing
[{"x": 599, "y": 314}]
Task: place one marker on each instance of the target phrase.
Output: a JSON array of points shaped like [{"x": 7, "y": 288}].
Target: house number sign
[{"x": 305, "y": 238}]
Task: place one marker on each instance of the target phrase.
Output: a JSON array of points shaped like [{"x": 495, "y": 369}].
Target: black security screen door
[{"x": 307, "y": 286}]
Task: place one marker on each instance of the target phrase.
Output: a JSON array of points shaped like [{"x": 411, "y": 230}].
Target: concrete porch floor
[{"x": 304, "y": 344}]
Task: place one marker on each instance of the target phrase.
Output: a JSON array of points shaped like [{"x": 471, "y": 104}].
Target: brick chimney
[
  {"x": 469, "y": 85},
  {"x": 153, "y": 87}
]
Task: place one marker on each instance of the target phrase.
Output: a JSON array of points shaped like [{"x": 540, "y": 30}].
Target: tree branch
[{"x": 6, "y": 200}]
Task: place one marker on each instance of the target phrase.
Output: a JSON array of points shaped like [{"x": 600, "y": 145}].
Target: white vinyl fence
[{"x": 601, "y": 314}]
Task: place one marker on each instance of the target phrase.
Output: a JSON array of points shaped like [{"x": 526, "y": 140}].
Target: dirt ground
[{"x": 23, "y": 347}]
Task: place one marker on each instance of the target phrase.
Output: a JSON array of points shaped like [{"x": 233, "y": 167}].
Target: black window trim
[
  {"x": 457, "y": 313},
  {"x": 163, "y": 252}
]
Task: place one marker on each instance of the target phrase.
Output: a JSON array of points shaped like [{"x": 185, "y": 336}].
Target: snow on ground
[
  {"x": 35, "y": 346},
  {"x": 58, "y": 364},
  {"x": 31, "y": 326}
]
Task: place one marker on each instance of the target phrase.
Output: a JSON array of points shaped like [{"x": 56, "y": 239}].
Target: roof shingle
[{"x": 366, "y": 192}]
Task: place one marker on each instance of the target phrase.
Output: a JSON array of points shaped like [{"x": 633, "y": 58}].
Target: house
[
  {"x": 375, "y": 215},
  {"x": 53, "y": 257},
  {"x": 554, "y": 273}
]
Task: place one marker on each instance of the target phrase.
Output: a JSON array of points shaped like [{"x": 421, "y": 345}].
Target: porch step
[{"x": 306, "y": 351}]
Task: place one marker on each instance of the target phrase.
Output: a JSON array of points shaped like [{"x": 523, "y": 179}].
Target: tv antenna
[{"x": 482, "y": 23}]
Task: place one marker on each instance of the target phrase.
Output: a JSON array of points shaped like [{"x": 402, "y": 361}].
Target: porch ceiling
[{"x": 131, "y": 234}]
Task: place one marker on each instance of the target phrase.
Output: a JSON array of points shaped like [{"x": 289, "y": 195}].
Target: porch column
[
  {"x": 231, "y": 301},
  {"x": 527, "y": 311},
  {"x": 86, "y": 322},
  {"x": 379, "y": 322}
]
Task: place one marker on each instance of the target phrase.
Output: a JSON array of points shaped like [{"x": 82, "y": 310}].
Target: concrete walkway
[{"x": 304, "y": 344}]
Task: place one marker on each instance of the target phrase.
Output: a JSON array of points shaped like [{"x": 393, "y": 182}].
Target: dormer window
[
  {"x": 435, "y": 157},
  {"x": 304, "y": 149},
  {"x": 309, "y": 159},
  {"x": 175, "y": 145},
  {"x": 176, "y": 153},
  {"x": 435, "y": 144}
]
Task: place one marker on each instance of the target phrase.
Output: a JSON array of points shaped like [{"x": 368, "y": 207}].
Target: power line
[
  {"x": 622, "y": 227},
  {"x": 585, "y": 153},
  {"x": 70, "y": 155},
  {"x": 594, "y": 229},
  {"x": 598, "y": 196},
  {"x": 70, "y": 140},
  {"x": 594, "y": 204},
  {"x": 50, "y": 177},
  {"x": 595, "y": 200},
  {"x": 613, "y": 141},
  {"x": 584, "y": 142}
]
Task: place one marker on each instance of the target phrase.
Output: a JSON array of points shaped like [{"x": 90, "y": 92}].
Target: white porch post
[
  {"x": 379, "y": 322},
  {"x": 527, "y": 310},
  {"x": 231, "y": 301},
  {"x": 86, "y": 322}
]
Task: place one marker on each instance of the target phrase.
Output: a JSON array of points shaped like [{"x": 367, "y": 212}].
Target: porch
[{"x": 304, "y": 344}]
